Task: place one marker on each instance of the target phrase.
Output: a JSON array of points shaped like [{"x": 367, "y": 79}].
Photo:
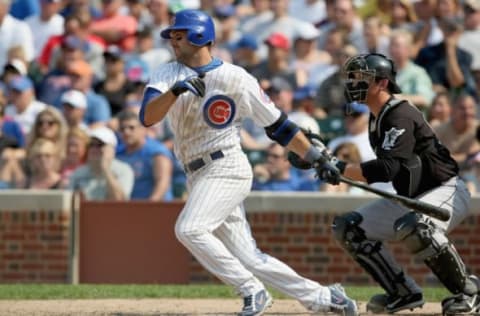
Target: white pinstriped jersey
[{"x": 204, "y": 125}]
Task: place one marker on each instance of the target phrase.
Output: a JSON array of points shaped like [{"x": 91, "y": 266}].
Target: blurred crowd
[{"x": 73, "y": 74}]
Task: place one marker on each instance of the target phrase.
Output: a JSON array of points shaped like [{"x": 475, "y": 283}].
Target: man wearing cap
[
  {"x": 46, "y": 24},
  {"x": 302, "y": 107},
  {"x": 13, "y": 32},
  {"x": 470, "y": 38},
  {"x": 81, "y": 76},
  {"x": 103, "y": 177},
  {"x": 15, "y": 67},
  {"x": 278, "y": 62},
  {"x": 244, "y": 53},
  {"x": 23, "y": 107},
  {"x": 74, "y": 106}
]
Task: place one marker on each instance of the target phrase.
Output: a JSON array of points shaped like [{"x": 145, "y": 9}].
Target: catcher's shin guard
[
  {"x": 371, "y": 255},
  {"x": 429, "y": 244}
]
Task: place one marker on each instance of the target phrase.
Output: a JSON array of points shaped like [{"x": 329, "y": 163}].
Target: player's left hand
[{"x": 193, "y": 84}]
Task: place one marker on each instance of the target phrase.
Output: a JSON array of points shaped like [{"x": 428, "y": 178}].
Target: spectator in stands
[
  {"x": 57, "y": 80},
  {"x": 311, "y": 11},
  {"x": 280, "y": 22},
  {"x": 311, "y": 65},
  {"x": 74, "y": 107},
  {"x": 349, "y": 153},
  {"x": 459, "y": 133},
  {"x": 277, "y": 63},
  {"x": 426, "y": 29},
  {"x": 226, "y": 33},
  {"x": 43, "y": 161},
  {"x": 49, "y": 124},
  {"x": 116, "y": 85},
  {"x": 245, "y": 53},
  {"x": 440, "y": 110},
  {"x": 302, "y": 108},
  {"x": 103, "y": 177},
  {"x": 114, "y": 27},
  {"x": 13, "y": 32},
  {"x": 23, "y": 107},
  {"x": 13, "y": 68},
  {"x": 139, "y": 11},
  {"x": 276, "y": 174},
  {"x": 150, "y": 160},
  {"x": 346, "y": 20},
  {"x": 375, "y": 39},
  {"x": 11, "y": 135},
  {"x": 73, "y": 7},
  {"x": 159, "y": 10},
  {"x": 447, "y": 64},
  {"x": 261, "y": 14},
  {"x": 330, "y": 99},
  {"x": 46, "y": 24},
  {"x": 470, "y": 38},
  {"x": 148, "y": 53},
  {"x": 412, "y": 79},
  {"x": 356, "y": 125},
  {"x": 75, "y": 153},
  {"x": 77, "y": 36},
  {"x": 402, "y": 15},
  {"x": 98, "y": 109},
  {"x": 280, "y": 92}
]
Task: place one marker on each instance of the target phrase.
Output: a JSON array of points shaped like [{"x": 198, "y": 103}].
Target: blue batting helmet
[{"x": 199, "y": 26}]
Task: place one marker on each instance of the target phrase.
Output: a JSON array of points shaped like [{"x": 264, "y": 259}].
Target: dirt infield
[{"x": 151, "y": 307}]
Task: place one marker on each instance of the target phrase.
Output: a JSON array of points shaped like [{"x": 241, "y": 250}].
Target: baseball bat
[{"x": 422, "y": 207}]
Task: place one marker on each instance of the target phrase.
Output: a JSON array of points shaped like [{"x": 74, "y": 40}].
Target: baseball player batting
[
  {"x": 419, "y": 166},
  {"x": 205, "y": 100}
]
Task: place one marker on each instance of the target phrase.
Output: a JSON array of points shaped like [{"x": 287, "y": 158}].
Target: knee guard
[
  {"x": 370, "y": 254},
  {"x": 429, "y": 244}
]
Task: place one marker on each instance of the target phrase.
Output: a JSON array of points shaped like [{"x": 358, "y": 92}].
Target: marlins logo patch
[
  {"x": 391, "y": 137},
  {"x": 219, "y": 111}
]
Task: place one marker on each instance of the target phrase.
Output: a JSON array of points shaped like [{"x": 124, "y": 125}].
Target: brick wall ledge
[
  {"x": 262, "y": 201},
  {"x": 36, "y": 200}
]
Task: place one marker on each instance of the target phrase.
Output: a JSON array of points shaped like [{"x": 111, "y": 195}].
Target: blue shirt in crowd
[{"x": 141, "y": 162}]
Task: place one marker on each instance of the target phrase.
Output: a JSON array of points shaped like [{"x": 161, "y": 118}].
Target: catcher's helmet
[
  {"x": 199, "y": 26},
  {"x": 360, "y": 70}
]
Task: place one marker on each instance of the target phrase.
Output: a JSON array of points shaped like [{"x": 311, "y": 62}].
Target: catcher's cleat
[
  {"x": 382, "y": 303},
  {"x": 462, "y": 304},
  {"x": 256, "y": 304},
  {"x": 340, "y": 303}
]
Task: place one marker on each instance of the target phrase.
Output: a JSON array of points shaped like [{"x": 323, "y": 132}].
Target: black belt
[{"x": 196, "y": 164}]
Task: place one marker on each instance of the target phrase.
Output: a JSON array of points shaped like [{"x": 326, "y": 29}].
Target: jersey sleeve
[
  {"x": 257, "y": 103},
  {"x": 396, "y": 144}
]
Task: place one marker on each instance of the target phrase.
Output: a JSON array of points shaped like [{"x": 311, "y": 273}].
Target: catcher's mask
[{"x": 361, "y": 70}]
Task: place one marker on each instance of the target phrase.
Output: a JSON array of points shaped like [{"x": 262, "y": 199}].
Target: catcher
[{"x": 419, "y": 166}]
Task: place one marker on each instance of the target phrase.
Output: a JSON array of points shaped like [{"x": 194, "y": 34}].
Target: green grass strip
[{"x": 99, "y": 291}]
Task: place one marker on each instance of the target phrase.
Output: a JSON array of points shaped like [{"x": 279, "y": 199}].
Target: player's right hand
[{"x": 193, "y": 84}]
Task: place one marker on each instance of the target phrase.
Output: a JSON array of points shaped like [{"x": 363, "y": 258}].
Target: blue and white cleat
[
  {"x": 256, "y": 304},
  {"x": 340, "y": 303}
]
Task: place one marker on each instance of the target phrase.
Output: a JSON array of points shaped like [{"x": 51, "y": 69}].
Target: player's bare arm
[{"x": 157, "y": 108}]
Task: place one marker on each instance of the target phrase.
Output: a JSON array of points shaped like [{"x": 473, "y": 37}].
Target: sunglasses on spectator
[{"x": 46, "y": 122}]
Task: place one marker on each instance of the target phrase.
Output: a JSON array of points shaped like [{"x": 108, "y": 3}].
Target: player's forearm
[
  {"x": 156, "y": 110},
  {"x": 299, "y": 144}
]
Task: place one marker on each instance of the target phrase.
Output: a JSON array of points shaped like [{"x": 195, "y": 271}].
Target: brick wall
[
  {"x": 34, "y": 239},
  {"x": 304, "y": 241}
]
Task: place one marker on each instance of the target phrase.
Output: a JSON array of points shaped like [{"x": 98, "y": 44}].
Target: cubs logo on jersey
[{"x": 219, "y": 111}]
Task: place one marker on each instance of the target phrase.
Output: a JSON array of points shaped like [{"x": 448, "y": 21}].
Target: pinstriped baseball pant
[{"x": 213, "y": 227}]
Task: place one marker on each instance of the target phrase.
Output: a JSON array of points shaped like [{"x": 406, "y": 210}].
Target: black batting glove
[
  {"x": 329, "y": 169},
  {"x": 193, "y": 84}
]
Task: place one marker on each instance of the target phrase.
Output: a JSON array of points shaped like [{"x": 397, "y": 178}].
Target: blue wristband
[{"x": 313, "y": 154}]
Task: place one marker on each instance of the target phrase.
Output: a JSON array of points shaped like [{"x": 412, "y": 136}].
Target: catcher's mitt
[{"x": 300, "y": 163}]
